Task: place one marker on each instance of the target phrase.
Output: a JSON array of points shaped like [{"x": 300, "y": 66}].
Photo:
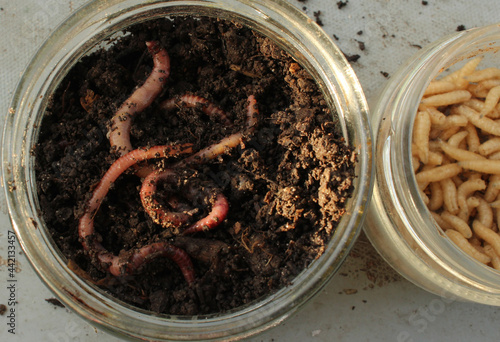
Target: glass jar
[
  {"x": 290, "y": 29},
  {"x": 399, "y": 224}
]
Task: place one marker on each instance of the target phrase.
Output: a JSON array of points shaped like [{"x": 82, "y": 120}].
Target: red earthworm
[
  {"x": 252, "y": 113},
  {"x": 189, "y": 100},
  {"x": 222, "y": 146},
  {"x": 220, "y": 207},
  {"x": 229, "y": 142},
  {"x": 166, "y": 218},
  {"x": 212, "y": 151},
  {"x": 119, "y": 265},
  {"x": 178, "y": 255},
  {"x": 153, "y": 208},
  {"x": 117, "y": 168},
  {"x": 218, "y": 213},
  {"x": 115, "y": 264},
  {"x": 141, "y": 98}
]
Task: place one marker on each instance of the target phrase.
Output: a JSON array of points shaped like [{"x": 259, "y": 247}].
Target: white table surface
[{"x": 366, "y": 300}]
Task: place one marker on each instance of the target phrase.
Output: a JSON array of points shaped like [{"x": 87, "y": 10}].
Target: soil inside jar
[{"x": 287, "y": 184}]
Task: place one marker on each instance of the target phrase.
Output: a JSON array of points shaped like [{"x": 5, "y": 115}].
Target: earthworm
[
  {"x": 166, "y": 218},
  {"x": 115, "y": 264},
  {"x": 153, "y": 208},
  {"x": 220, "y": 207},
  {"x": 118, "y": 265},
  {"x": 189, "y": 100},
  {"x": 141, "y": 98},
  {"x": 229, "y": 142},
  {"x": 213, "y": 219}
]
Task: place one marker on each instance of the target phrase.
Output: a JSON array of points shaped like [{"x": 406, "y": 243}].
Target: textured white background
[{"x": 366, "y": 301}]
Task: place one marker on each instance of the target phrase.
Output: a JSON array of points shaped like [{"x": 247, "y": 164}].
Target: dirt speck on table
[{"x": 55, "y": 302}]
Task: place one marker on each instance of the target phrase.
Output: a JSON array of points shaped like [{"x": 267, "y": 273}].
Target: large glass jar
[{"x": 290, "y": 29}]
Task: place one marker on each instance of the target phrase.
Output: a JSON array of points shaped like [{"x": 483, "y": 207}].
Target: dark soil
[{"x": 287, "y": 186}]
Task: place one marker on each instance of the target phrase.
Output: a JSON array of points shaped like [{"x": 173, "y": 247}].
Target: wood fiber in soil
[{"x": 287, "y": 186}]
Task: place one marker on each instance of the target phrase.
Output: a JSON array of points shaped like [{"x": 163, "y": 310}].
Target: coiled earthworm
[
  {"x": 141, "y": 98},
  {"x": 220, "y": 207},
  {"x": 190, "y": 100},
  {"x": 166, "y": 218},
  {"x": 115, "y": 264}
]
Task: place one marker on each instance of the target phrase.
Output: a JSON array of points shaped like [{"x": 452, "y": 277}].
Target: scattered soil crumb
[
  {"x": 352, "y": 58},
  {"x": 350, "y": 291},
  {"x": 318, "y": 19},
  {"x": 385, "y": 74},
  {"x": 55, "y": 302},
  {"x": 361, "y": 45},
  {"x": 342, "y": 4},
  {"x": 425, "y": 3},
  {"x": 3, "y": 309},
  {"x": 461, "y": 28}
]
